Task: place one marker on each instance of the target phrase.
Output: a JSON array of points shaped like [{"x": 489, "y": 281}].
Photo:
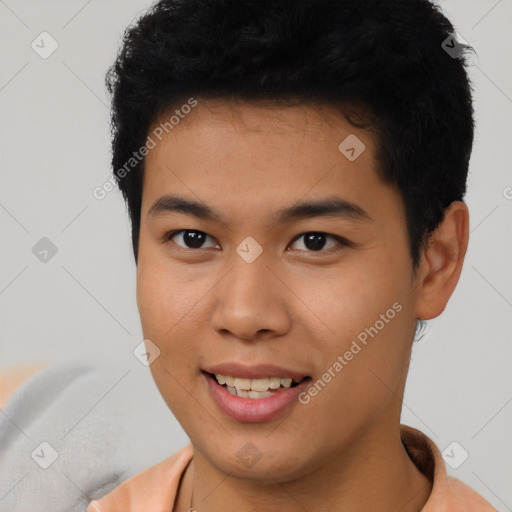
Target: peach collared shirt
[{"x": 155, "y": 489}]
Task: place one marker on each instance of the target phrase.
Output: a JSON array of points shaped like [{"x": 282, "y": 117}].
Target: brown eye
[
  {"x": 190, "y": 239},
  {"x": 316, "y": 241}
]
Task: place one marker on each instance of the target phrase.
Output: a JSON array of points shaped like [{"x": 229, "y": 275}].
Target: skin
[{"x": 292, "y": 306}]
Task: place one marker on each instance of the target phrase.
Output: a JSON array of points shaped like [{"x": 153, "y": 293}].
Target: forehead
[
  {"x": 260, "y": 155},
  {"x": 260, "y": 119}
]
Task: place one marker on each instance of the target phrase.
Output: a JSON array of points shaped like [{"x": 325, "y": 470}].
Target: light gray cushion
[{"x": 65, "y": 407}]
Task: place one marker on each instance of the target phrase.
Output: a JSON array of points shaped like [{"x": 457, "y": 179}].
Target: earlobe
[{"x": 442, "y": 261}]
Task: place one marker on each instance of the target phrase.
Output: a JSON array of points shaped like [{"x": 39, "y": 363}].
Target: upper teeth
[{"x": 254, "y": 384}]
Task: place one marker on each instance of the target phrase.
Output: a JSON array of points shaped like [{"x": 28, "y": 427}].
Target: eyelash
[{"x": 342, "y": 241}]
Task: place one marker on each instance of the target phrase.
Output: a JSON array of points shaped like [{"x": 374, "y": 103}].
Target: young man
[{"x": 294, "y": 173}]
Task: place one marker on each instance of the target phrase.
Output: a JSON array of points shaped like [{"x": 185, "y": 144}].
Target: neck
[{"x": 375, "y": 473}]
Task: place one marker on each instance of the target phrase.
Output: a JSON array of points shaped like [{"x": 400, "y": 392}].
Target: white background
[{"x": 80, "y": 305}]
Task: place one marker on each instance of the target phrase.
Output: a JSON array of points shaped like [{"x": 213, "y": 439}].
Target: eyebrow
[{"x": 329, "y": 207}]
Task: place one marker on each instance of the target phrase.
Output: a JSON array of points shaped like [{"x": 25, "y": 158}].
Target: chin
[{"x": 259, "y": 460}]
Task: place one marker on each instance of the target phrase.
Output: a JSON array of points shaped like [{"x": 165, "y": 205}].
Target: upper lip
[{"x": 257, "y": 371}]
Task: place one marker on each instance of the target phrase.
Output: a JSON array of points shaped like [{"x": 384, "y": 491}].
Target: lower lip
[{"x": 254, "y": 410}]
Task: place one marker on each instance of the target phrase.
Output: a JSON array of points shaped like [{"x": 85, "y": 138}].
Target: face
[{"x": 277, "y": 256}]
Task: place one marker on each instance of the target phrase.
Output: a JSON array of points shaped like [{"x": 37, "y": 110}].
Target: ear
[{"x": 441, "y": 262}]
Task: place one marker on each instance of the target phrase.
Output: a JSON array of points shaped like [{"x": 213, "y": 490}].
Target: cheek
[
  {"x": 166, "y": 311},
  {"x": 152, "y": 298},
  {"x": 173, "y": 316},
  {"x": 370, "y": 326},
  {"x": 348, "y": 299},
  {"x": 164, "y": 298}
]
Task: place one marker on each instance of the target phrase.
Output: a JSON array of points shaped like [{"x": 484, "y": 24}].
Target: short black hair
[{"x": 397, "y": 62}]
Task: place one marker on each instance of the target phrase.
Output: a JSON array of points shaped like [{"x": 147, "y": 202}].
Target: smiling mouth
[{"x": 254, "y": 388}]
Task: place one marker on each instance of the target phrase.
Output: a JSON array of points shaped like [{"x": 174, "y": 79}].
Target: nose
[{"x": 250, "y": 302}]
